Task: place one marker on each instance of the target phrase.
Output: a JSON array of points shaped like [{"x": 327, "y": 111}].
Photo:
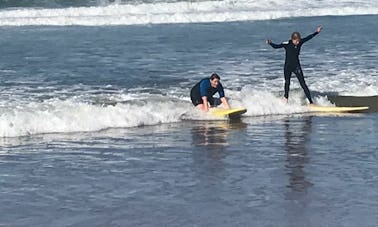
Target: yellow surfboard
[
  {"x": 231, "y": 113},
  {"x": 337, "y": 109}
]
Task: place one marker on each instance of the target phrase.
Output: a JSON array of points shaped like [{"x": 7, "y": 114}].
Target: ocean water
[{"x": 97, "y": 127}]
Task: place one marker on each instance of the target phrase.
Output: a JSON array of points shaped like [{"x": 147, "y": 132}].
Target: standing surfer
[{"x": 292, "y": 64}]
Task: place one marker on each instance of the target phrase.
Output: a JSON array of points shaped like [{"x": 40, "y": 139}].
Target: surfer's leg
[
  {"x": 200, "y": 106},
  {"x": 287, "y": 74},
  {"x": 196, "y": 99},
  {"x": 213, "y": 101},
  {"x": 298, "y": 72}
]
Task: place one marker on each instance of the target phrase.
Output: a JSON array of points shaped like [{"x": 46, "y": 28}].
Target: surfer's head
[
  {"x": 295, "y": 38},
  {"x": 214, "y": 80}
]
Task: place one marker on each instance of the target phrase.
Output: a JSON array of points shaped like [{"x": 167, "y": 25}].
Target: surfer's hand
[
  {"x": 268, "y": 41},
  {"x": 319, "y": 29}
]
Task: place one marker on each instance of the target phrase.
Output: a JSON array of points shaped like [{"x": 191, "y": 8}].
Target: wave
[
  {"x": 71, "y": 115},
  {"x": 62, "y": 116},
  {"x": 183, "y": 12},
  {"x": 51, "y": 3},
  {"x": 68, "y": 116}
]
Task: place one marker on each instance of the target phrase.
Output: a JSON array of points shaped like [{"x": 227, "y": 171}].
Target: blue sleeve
[
  {"x": 204, "y": 85},
  {"x": 220, "y": 91}
]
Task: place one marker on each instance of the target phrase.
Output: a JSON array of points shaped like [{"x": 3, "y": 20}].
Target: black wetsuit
[
  {"x": 204, "y": 88},
  {"x": 292, "y": 64}
]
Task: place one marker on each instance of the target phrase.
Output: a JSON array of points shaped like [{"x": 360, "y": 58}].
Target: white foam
[
  {"x": 131, "y": 110},
  {"x": 347, "y": 82},
  {"x": 184, "y": 12},
  {"x": 72, "y": 116},
  {"x": 262, "y": 103}
]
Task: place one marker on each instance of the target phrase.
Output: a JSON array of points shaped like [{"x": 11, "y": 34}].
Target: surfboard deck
[
  {"x": 231, "y": 113},
  {"x": 337, "y": 109}
]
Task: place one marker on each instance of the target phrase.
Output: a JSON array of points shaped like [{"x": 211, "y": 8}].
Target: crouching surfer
[{"x": 202, "y": 93}]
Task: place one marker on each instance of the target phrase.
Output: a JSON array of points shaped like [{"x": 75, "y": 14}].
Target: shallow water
[{"x": 288, "y": 170}]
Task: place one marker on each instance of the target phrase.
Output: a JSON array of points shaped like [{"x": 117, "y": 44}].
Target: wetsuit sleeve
[
  {"x": 276, "y": 46},
  {"x": 220, "y": 91},
  {"x": 204, "y": 85},
  {"x": 307, "y": 38}
]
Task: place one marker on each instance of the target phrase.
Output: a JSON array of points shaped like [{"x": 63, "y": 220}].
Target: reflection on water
[
  {"x": 211, "y": 140},
  {"x": 209, "y": 134},
  {"x": 296, "y": 136},
  {"x": 213, "y": 134}
]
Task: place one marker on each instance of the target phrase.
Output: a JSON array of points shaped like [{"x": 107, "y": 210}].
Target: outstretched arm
[
  {"x": 275, "y": 46},
  {"x": 307, "y": 38}
]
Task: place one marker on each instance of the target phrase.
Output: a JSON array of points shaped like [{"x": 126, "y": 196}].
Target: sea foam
[{"x": 183, "y": 12}]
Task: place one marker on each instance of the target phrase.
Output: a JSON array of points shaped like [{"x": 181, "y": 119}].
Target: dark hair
[
  {"x": 214, "y": 76},
  {"x": 295, "y": 35}
]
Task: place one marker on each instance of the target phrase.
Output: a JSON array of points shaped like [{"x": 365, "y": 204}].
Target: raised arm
[{"x": 307, "y": 38}]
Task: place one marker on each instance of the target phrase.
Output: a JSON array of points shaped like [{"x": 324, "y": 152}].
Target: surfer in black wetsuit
[
  {"x": 292, "y": 64},
  {"x": 202, "y": 93}
]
